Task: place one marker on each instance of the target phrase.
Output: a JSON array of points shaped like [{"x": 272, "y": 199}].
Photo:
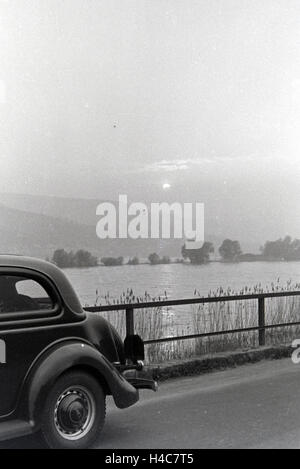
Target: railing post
[
  {"x": 261, "y": 321},
  {"x": 129, "y": 321}
]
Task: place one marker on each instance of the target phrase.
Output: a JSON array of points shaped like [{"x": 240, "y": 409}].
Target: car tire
[{"x": 74, "y": 412}]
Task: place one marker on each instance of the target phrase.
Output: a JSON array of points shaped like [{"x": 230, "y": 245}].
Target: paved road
[{"x": 253, "y": 406}]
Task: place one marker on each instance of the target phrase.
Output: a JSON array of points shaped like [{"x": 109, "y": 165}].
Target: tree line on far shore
[
  {"x": 81, "y": 258},
  {"x": 283, "y": 249}
]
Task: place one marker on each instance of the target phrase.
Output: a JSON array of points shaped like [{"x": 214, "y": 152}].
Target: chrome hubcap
[{"x": 74, "y": 413}]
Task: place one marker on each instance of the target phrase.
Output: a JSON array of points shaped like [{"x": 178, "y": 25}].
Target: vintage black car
[{"x": 58, "y": 362}]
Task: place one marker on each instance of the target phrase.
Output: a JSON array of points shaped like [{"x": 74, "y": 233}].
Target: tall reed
[{"x": 158, "y": 322}]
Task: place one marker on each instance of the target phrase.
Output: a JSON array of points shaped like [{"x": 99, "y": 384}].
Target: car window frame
[{"x": 46, "y": 284}]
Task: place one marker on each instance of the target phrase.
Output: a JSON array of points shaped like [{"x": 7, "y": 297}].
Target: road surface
[{"x": 252, "y": 406}]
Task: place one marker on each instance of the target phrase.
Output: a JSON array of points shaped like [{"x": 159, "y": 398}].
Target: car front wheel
[{"x": 74, "y": 412}]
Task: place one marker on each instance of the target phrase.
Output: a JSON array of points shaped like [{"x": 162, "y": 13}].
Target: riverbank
[
  {"x": 256, "y": 259},
  {"x": 218, "y": 361},
  {"x": 245, "y": 260}
]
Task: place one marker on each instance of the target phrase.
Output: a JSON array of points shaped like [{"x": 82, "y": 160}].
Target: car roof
[{"x": 51, "y": 271}]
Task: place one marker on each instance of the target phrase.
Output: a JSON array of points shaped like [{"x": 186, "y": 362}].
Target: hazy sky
[{"x": 99, "y": 97}]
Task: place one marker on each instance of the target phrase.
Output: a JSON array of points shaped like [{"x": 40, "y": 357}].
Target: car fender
[{"x": 64, "y": 357}]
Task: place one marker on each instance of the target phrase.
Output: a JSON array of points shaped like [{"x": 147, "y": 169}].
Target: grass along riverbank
[{"x": 161, "y": 322}]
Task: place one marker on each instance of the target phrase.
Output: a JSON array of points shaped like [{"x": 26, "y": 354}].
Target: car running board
[{"x": 14, "y": 429}]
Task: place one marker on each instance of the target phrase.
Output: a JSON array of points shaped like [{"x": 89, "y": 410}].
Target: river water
[{"x": 178, "y": 280}]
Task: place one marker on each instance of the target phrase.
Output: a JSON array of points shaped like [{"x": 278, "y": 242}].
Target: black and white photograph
[{"x": 149, "y": 227}]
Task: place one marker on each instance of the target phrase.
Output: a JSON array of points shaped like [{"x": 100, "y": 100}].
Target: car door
[{"x": 28, "y": 305}]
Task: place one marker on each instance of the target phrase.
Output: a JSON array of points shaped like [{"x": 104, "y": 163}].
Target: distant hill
[
  {"x": 82, "y": 211},
  {"x": 34, "y": 234},
  {"x": 37, "y": 225}
]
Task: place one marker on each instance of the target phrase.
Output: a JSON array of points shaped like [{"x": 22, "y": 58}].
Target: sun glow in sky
[{"x": 102, "y": 97}]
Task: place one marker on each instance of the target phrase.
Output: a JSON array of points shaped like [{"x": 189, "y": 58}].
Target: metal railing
[{"x": 261, "y": 327}]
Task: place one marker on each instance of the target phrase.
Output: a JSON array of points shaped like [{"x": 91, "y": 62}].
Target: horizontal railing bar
[
  {"x": 188, "y": 301},
  {"x": 210, "y": 334}
]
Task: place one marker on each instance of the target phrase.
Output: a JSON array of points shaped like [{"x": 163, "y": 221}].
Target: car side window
[{"x": 22, "y": 294}]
